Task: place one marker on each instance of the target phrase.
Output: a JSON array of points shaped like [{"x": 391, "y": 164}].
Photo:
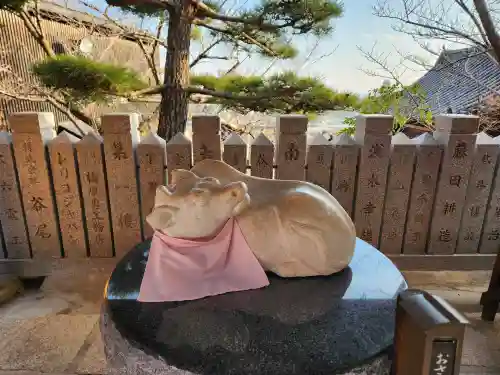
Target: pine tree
[{"x": 266, "y": 29}]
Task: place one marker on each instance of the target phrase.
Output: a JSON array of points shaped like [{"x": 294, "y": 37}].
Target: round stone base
[
  {"x": 123, "y": 357},
  {"x": 337, "y": 324}
]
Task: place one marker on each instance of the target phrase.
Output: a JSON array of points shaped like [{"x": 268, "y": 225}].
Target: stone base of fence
[{"x": 431, "y": 202}]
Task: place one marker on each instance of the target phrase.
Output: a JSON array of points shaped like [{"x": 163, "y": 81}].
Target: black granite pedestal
[{"x": 340, "y": 324}]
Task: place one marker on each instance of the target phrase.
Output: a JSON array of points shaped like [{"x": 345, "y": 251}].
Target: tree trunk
[
  {"x": 174, "y": 100},
  {"x": 489, "y": 26}
]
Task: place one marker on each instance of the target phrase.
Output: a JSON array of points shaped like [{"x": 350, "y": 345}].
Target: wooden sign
[
  {"x": 443, "y": 357},
  {"x": 429, "y": 335}
]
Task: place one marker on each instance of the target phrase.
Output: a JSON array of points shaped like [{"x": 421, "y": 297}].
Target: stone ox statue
[{"x": 294, "y": 228}]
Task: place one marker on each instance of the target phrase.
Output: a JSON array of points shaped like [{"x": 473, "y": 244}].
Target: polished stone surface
[{"x": 320, "y": 325}]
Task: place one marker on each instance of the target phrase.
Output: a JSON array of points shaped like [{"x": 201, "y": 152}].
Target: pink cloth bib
[{"x": 182, "y": 270}]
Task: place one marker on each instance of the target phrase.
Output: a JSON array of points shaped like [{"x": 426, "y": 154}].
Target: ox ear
[
  {"x": 162, "y": 217},
  {"x": 237, "y": 194},
  {"x": 162, "y": 196},
  {"x": 235, "y": 190}
]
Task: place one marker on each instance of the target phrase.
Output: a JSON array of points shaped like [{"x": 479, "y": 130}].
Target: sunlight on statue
[{"x": 293, "y": 228}]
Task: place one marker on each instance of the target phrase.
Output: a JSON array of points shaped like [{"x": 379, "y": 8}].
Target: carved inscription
[
  {"x": 345, "y": 165},
  {"x": 11, "y": 214},
  {"x": 451, "y": 193},
  {"x": 291, "y": 141},
  {"x": 90, "y": 163},
  {"x": 67, "y": 196},
  {"x": 373, "y": 169},
  {"x": 206, "y": 138},
  {"x": 428, "y": 159},
  {"x": 319, "y": 162},
  {"x": 261, "y": 157},
  {"x": 31, "y": 163},
  {"x": 178, "y": 154},
  {"x": 397, "y": 195},
  {"x": 151, "y": 154},
  {"x": 122, "y": 182},
  {"x": 478, "y": 192}
]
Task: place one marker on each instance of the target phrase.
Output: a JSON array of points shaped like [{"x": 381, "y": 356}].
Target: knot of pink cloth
[{"x": 181, "y": 270}]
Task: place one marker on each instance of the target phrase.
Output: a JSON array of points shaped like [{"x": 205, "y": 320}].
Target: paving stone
[
  {"x": 32, "y": 305},
  {"x": 448, "y": 279},
  {"x": 49, "y": 345},
  {"x": 479, "y": 370},
  {"x": 480, "y": 350},
  {"x": 11, "y": 329},
  {"x": 93, "y": 361}
]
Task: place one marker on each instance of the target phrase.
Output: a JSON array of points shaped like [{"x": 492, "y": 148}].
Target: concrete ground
[{"x": 55, "y": 331}]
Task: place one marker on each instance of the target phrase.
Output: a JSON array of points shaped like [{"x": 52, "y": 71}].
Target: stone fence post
[
  {"x": 179, "y": 154},
  {"x": 319, "y": 162},
  {"x": 30, "y": 133},
  {"x": 478, "y": 193},
  {"x": 151, "y": 157},
  {"x": 235, "y": 152},
  {"x": 373, "y": 134},
  {"x": 118, "y": 130},
  {"x": 11, "y": 213},
  {"x": 67, "y": 192},
  {"x": 206, "y": 138},
  {"x": 423, "y": 191},
  {"x": 90, "y": 157},
  {"x": 262, "y": 157},
  {"x": 398, "y": 194},
  {"x": 457, "y": 135},
  {"x": 291, "y": 146},
  {"x": 345, "y": 169}
]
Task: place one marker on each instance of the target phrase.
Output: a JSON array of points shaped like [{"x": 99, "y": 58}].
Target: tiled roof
[{"x": 460, "y": 80}]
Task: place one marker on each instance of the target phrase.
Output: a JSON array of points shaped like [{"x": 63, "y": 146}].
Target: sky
[{"x": 337, "y": 59}]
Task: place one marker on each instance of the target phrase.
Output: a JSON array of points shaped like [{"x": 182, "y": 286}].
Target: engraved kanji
[
  {"x": 37, "y": 204},
  {"x": 118, "y": 151},
  {"x": 480, "y": 184},
  {"x": 460, "y": 150},
  {"x": 372, "y": 181},
  {"x": 444, "y": 235},
  {"x": 449, "y": 208},
  {"x": 343, "y": 186},
  {"x": 369, "y": 208},
  {"x": 292, "y": 153},
  {"x": 376, "y": 150},
  {"x": 455, "y": 180},
  {"x": 41, "y": 231},
  {"x": 475, "y": 211}
]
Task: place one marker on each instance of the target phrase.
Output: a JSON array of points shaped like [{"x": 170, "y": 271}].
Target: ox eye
[{"x": 234, "y": 194}]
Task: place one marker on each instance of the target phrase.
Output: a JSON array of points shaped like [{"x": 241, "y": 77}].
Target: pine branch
[
  {"x": 237, "y": 36},
  {"x": 204, "y": 54},
  {"x": 155, "y": 90}
]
